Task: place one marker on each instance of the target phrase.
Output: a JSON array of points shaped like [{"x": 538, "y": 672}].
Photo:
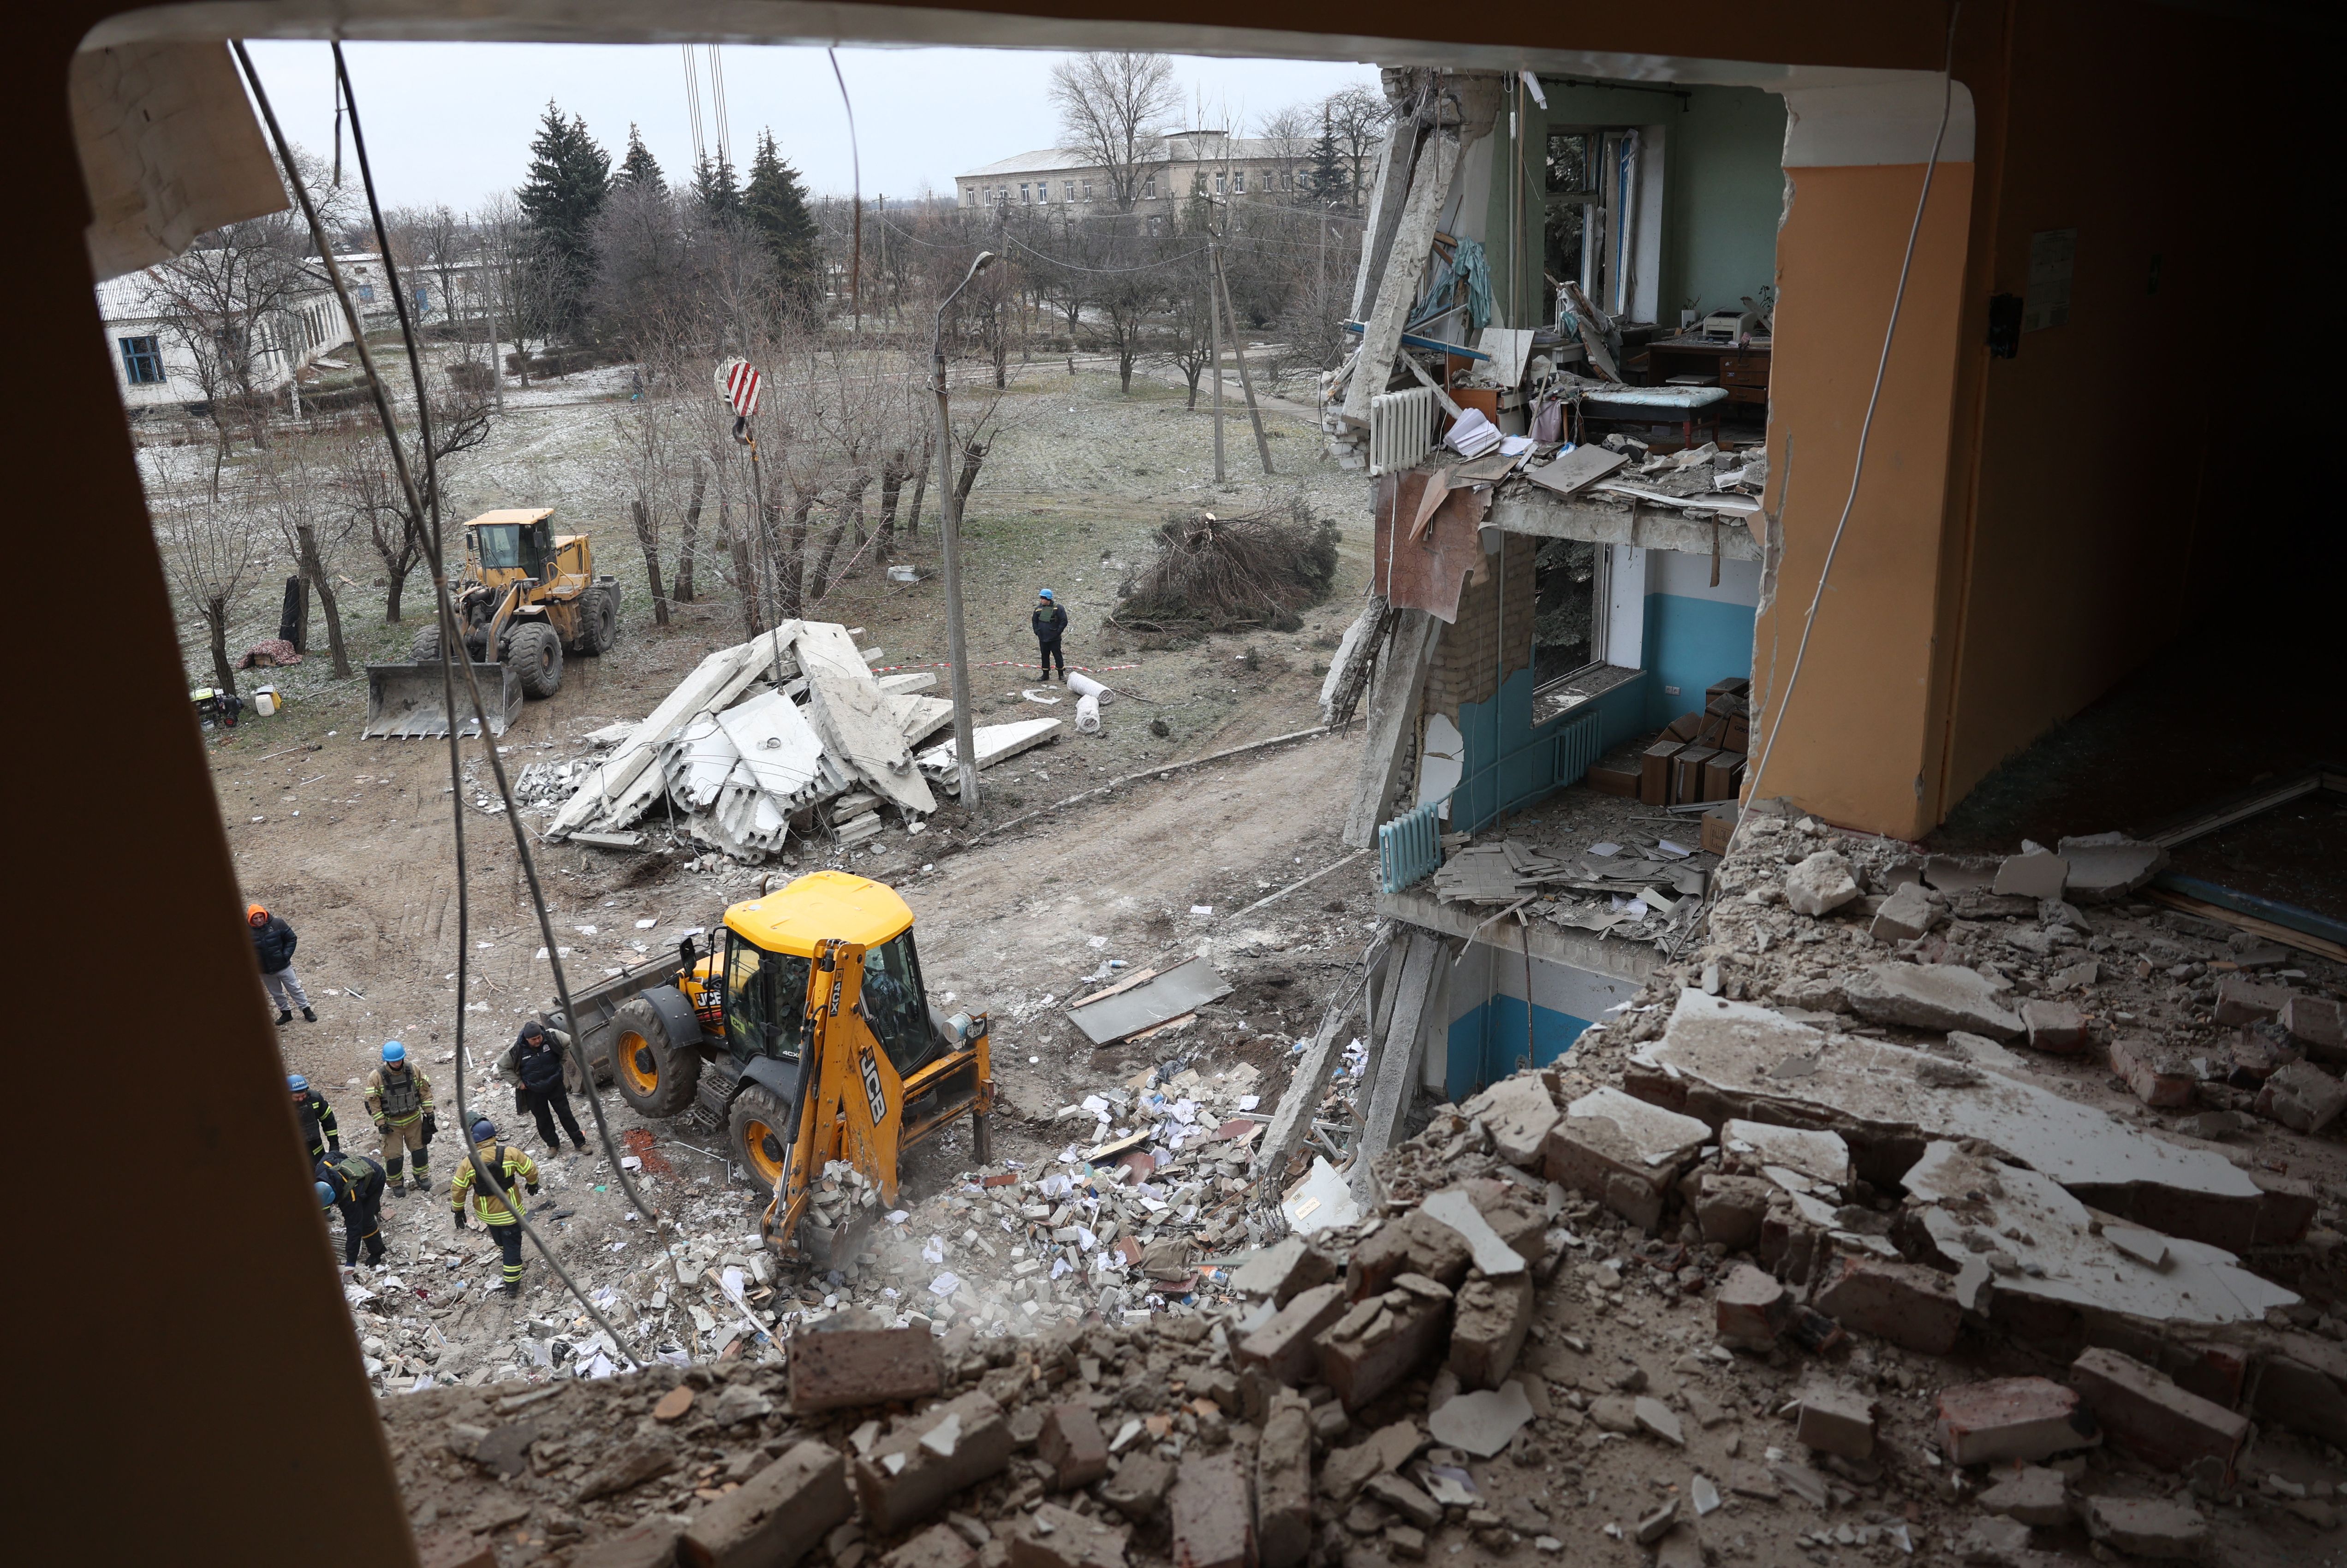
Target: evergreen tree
[
  {"x": 775, "y": 205},
  {"x": 1324, "y": 173},
  {"x": 640, "y": 169},
  {"x": 569, "y": 177},
  {"x": 714, "y": 187}
]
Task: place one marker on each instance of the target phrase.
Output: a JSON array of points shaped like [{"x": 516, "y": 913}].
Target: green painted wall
[{"x": 1724, "y": 190}]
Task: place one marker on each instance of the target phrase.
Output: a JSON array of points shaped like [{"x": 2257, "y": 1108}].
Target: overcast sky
[{"x": 452, "y": 122}]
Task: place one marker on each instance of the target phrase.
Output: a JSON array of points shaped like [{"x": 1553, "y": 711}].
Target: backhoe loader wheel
[
  {"x": 536, "y": 654},
  {"x": 425, "y": 648},
  {"x": 655, "y": 1076},
  {"x": 599, "y": 621},
  {"x": 761, "y": 1128}
]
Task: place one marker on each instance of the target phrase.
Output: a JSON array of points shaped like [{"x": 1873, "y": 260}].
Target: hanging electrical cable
[
  {"x": 693, "y": 107},
  {"x": 449, "y": 635},
  {"x": 717, "y": 99},
  {"x": 855, "y": 185}
]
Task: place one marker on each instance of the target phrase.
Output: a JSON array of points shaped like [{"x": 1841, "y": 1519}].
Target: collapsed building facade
[{"x": 2018, "y": 544}]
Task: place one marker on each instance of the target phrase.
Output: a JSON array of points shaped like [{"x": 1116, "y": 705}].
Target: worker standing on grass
[
  {"x": 273, "y": 944},
  {"x": 320, "y": 1134},
  {"x": 507, "y": 1165},
  {"x": 536, "y": 1057},
  {"x": 354, "y": 1183},
  {"x": 1051, "y": 623},
  {"x": 399, "y": 1098}
]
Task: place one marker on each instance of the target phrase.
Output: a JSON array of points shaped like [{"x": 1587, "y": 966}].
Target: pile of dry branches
[{"x": 1230, "y": 574}]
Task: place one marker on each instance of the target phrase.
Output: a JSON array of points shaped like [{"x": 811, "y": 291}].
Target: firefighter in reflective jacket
[
  {"x": 320, "y": 1133},
  {"x": 399, "y": 1098},
  {"x": 352, "y": 1183},
  {"x": 489, "y": 1158}
]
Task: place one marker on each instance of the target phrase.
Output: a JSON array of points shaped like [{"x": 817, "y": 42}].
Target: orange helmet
[{"x": 255, "y": 915}]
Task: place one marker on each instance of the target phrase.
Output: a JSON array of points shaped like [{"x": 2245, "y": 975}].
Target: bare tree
[
  {"x": 639, "y": 472},
  {"x": 396, "y": 529},
  {"x": 434, "y": 243},
  {"x": 1289, "y": 135},
  {"x": 1355, "y": 118},
  {"x": 1112, "y": 113},
  {"x": 295, "y": 481},
  {"x": 215, "y": 550}
]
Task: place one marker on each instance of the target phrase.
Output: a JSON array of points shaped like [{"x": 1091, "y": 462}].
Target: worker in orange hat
[{"x": 273, "y": 944}]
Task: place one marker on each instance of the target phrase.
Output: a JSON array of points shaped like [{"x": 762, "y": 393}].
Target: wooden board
[{"x": 1571, "y": 470}]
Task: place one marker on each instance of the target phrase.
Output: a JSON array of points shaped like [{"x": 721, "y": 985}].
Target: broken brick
[
  {"x": 2143, "y": 1412},
  {"x": 1138, "y": 1488},
  {"x": 1282, "y": 1270},
  {"x": 2158, "y": 1075},
  {"x": 2318, "y": 1023},
  {"x": 777, "y": 1516},
  {"x": 1347, "y": 1471},
  {"x": 1283, "y": 1484},
  {"x": 1905, "y": 1303},
  {"x": 1835, "y": 1420},
  {"x": 849, "y": 1366},
  {"x": 2002, "y": 1419},
  {"x": 1414, "y": 1244},
  {"x": 1623, "y": 1152},
  {"x": 2056, "y": 1027},
  {"x": 2241, "y": 1000},
  {"x": 1488, "y": 1328},
  {"x": 2286, "y": 1209},
  {"x": 1056, "y": 1537},
  {"x": 2303, "y": 1098},
  {"x": 1518, "y": 1112},
  {"x": 1379, "y": 1341},
  {"x": 1283, "y": 1347},
  {"x": 1404, "y": 1499},
  {"x": 911, "y": 1472},
  {"x": 1213, "y": 1515},
  {"x": 1072, "y": 1444},
  {"x": 938, "y": 1546},
  {"x": 2294, "y": 1391},
  {"x": 2033, "y": 1495},
  {"x": 1729, "y": 1210},
  {"x": 2147, "y": 1526},
  {"x": 634, "y": 1464},
  {"x": 1750, "y": 1308}
]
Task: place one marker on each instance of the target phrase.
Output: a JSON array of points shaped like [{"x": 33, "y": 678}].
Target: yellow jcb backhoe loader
[
  {"x": 525, "y": 595},
  {"x": 807, "y": 1035}
]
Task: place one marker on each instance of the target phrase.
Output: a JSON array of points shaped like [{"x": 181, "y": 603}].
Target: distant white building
[
  {"x": 1209, "y": 163},
  {"x": 154, "y": 365}
]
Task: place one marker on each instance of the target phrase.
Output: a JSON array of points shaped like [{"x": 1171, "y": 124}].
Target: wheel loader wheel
[
  {"x": 655, "y": 1075},
  {"x": 425, "y": 648},
  {"x": 761, "y": 1128},
  {"x": 536, "y": 654},
  {"x": 599, "y": 621}
]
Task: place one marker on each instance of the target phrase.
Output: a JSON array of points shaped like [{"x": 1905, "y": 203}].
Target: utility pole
[
  {"x": 1214, "y": 340},
  {"x": 1238, "y": 348},
  {"x": 950, "y": 532}
]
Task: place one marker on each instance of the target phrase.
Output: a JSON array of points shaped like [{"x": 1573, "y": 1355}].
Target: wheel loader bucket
[{"x": 405, "y": 700}]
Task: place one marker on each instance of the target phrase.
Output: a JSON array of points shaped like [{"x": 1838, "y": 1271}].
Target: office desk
[{"x": 1741, "y": 368}]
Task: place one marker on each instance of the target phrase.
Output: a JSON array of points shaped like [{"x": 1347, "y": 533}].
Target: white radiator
[{"x": 1401, "y": 429}]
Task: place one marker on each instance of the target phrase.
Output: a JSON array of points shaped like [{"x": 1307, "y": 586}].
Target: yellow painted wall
[{"x": 1856, "y": 725}]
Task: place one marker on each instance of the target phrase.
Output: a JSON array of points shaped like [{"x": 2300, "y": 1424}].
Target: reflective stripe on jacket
[{"x": 512, "y": 1169}]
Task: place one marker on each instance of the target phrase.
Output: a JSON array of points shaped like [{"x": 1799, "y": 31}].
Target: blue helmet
[
  {"x": 1047, "y": 593},
  {"x": 484, "y": 1130},
  {"x": 394, "y": 1051},
  {"x": 325, "y": 1195},
  {"x": 296, "y": 1082}
]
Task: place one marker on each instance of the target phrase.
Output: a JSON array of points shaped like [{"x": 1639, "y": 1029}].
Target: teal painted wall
[
  {"x": 1723, "y": 190},
  {"x": 1507, "y": 762},
  {"x": 1486, "y": 1041},
  {"x": 1691, "y": 643}
]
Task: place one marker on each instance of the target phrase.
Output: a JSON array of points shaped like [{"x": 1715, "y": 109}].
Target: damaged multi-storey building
[{"x": 1783, "y": 1185}]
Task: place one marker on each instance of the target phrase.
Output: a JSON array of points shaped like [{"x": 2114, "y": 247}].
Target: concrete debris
[
  {"x": 1484, "y": 1422},
  {"x": 1819, "y": 885},
  {"x": 993, "y": 743},
  {"x": 1836, "y": 1420},
  {"x": 2005, "y": 1420},
  {"x": 2303, "y": 1098},
  {"x": 753, "y": 746},
  {"x": 2032, "y": 1495},
  {"x": 2148, "y": 1527},
  {"x": 1623, "y": 1152},
  {"x": 1936, "y": 997},
  {"x": 2107, "y": 867},
  {"x": 2143, "y": 1412}
]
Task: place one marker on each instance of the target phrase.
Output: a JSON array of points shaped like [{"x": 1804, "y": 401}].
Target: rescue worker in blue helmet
[
  {"x": 354, "y": 1183},
  {"x": 487, "y": 1167},
  {"x": 1049, "y": 623},
  {"x": 320, "y": 1134},
  {"x": 399, "y": 1099}
]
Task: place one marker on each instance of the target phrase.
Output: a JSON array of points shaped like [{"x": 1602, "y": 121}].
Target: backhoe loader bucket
[{"x": 404, "y": 701}]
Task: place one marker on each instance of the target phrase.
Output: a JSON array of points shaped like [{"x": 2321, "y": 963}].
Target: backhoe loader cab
[
  {"x": 524, "y": 596},
  {"x": 808, "y": 1034}
]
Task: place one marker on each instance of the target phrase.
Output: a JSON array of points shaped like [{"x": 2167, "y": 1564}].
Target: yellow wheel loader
[
  {"x": 807, "y": 1034},
  {"x": 526, "y": 595}
]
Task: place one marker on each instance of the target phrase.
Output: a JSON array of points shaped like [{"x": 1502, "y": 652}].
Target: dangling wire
[
  {"x": 449, "y": 642},
  {"x": 855, "y": 185},
  {"x": 692, "y": 109}
]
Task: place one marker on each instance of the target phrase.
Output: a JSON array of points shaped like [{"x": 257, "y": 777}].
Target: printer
[{"x": 1729, "y": 327}]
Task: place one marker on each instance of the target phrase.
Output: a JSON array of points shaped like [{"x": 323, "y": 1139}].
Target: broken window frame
[
  {"x": 1613, "y": 165},
  {"x": 142, "y": 361}
]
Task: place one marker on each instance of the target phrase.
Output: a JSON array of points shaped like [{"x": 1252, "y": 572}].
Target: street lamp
[{"x": 965, "y": 738}]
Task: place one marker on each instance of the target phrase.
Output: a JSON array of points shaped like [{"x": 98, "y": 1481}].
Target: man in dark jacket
[
  {"x": 536, "y": 1059},
  {"x": 273, "y": 944},
  {"x": 320, "y": 1134},
  {"x": 1049, "y": 623},
  {"x": 354, "y": 1184}
]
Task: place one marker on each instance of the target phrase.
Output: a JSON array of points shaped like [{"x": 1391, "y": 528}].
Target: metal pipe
[{"x": 949, "y": 530}]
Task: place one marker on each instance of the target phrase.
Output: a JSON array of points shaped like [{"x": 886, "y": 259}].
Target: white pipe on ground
[
  {"x": 1083, "y": 685},
  {"x": 1088, "y": 721}
]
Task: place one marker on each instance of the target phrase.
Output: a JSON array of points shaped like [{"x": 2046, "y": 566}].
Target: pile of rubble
[
  {"x": 788, "y": 733},
  {"x": 1612, "y": 885}
]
